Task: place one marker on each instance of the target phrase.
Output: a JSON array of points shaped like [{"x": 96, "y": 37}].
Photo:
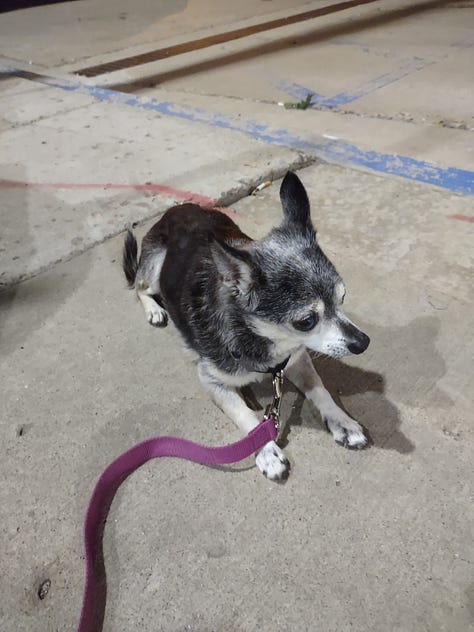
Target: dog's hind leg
[
  {"x": 147, "y": 284},
  {"x": 270, "y": 459},
  {"x": 346, "y": 431}
]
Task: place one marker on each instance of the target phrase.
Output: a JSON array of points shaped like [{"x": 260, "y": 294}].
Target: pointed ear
[
  {"x": 294, "y": 200},
  {"x": 237, "y": 270}
]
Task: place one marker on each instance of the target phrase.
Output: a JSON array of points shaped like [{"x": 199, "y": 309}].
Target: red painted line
[
  {"x": 177, "y": 194},
  {"x": 463, "y": 218}
]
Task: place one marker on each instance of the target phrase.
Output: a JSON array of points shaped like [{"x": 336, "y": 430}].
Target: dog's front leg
[
  {"x": 270, "y": 459},
  {"x": 345, "y": 430}
]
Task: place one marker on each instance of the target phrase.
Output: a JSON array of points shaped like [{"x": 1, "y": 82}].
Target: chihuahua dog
[{"x": 246, "y": 307}]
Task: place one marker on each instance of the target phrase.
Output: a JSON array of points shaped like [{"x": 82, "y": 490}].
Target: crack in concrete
[
  {"x": 403, "y": 117},
  {"x": 46, "y": 117}
]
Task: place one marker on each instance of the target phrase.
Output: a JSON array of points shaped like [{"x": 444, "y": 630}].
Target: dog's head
[{"x": 290, "y": 287}]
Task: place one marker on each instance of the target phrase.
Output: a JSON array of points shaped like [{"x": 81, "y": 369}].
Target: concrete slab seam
[
  {"x": 336, "y": 151},
  {"x": 343, "y": 98}
]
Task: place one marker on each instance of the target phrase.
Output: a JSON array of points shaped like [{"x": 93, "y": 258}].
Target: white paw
[
  {"x": 345, "y": 430},
  {"x": 157, "y": 316},
  {"x": 272, "y": 462}
]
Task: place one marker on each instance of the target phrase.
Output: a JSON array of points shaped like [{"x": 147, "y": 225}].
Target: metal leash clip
[{"x": 273, "y": 409}]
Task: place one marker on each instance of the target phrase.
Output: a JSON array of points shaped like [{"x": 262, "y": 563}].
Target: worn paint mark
[
  {"x": 343, "y": 98},
  {"x": 161, "y": 189},
  {"x": 175, "y": 194},
  {"x": 463, "y": 218},
  {"x": 340, "y": 152}
]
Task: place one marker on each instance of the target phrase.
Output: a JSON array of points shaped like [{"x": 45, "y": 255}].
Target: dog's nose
[{"x": 360, "y": 344}]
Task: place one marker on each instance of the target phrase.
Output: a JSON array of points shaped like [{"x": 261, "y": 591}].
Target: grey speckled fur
[{"x": 222, "y": 289}]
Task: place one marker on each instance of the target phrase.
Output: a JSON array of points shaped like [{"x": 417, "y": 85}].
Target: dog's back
[
  {"x": 189, "y": 269},
  {"x": 190, "y": 219}
]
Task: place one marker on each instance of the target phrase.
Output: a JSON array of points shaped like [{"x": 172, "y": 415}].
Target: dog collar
[
  {"x": 278, "y": 367},
  {"x": 273, "y": 370}
]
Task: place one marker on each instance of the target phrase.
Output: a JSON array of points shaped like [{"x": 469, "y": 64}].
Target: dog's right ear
[
  {"x": 236, "y": 269},
  {"x": 294, "y": 200}
]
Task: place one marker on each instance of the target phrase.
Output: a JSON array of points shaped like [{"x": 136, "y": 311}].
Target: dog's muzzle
[
  {"x": 355, "y": 339},
  {"x": 359, "y": 344}
]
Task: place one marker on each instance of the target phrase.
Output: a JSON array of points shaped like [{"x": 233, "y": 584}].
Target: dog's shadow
[{"x": 368, "y": 404}]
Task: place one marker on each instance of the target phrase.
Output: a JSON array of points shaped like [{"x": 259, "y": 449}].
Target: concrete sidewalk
[
  {"x": 373, "y": 541},
  {"x": 75, "y": 171},
  {"x": 81, "y": 158},
  {"x": 379, "y": 540}
]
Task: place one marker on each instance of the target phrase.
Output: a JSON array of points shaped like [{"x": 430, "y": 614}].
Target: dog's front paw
[
  {"x": 272, "y": 462},
  {"x": 346, "y": 431},
  {"x": 157, "y": 316}
]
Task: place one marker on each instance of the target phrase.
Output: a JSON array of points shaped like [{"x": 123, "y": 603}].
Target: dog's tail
[{"x": 130, "y": 258}]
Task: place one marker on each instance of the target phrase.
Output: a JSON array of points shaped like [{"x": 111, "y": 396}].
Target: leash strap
[{"x": 94, "y": 596}]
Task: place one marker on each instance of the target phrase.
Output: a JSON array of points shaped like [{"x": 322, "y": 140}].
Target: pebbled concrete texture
[
  {"x": 76, "y": 157},
  {"x": 93, "y": 28},
  {"x": 378, "y": 540},
  {"x": 71, "y": 167}
]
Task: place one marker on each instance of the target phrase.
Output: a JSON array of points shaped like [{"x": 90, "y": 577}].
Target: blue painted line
[
  {"x": 373, "y": 85},
  {"x": 343, "y": 98},
  {"x": 340, "y": 152},
  {"x": 451, "y": 178}
]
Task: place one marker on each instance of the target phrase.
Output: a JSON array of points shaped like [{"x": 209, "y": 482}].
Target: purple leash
[{"x": 94, "y": 596}]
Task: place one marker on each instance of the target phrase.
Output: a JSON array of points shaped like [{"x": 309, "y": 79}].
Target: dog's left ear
[
  {"x": 294, "y": 200},
  {"x": 237, "y": 270}
]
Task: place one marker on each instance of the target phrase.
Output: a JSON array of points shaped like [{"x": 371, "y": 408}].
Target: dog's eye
[{"x": 306, "y": 324}]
